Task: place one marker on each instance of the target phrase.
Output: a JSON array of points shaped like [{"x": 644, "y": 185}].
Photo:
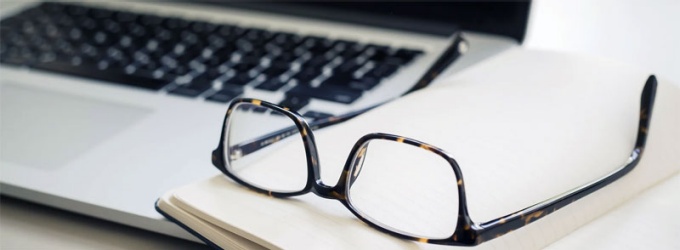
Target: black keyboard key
[
  {"x": 141, "y": 72},
  {"x": 279, "y": 64},
  {"x": 317, "y": 45},
  {"x": 271, "y": 84},
  {"x": 189, "y": 38},
  {"x": 294, "y": 102},
  {"x": 9, "y": 23},
  {"x": 110, "y": 75},
  {"x": 287, "y": 41},
  {"x": 377, "y": 53},
  {"x": 195, "y": 87},
  {"x": 125, "y": 17},
  {"x": 127, "y": 42},
  {"x": 142, "y": 58},
  {"x": 151, "y": 66},
  {"x": 255, "y": 54},
  {"x": 203, "y": 81},
  {"x": 285, "y": 57},
  {"x": 316, "y": 61},
  {"x": 272, "y": 49},
  {"x": 101, "y": 39},
  {"x": 138, "y": 30},
  {"x": 213, "y": 73},
  {"x": 327, "y": 92},
  {"x": 316, "y": 115},
  {"x": 365, "y": 83},
  {"x": 347, "y": 67},
  {"x": 175, "y": 23},
  {"x": 178, "y": 70},
  {"x": 244, "y": 45},
  {"x": 164, "y": 35},
  {"x": 283, "y": 37},
  {"x": 188, "y": 91},
  {"x": 53, "y": 7},
  {"x": 230, "y": 31},
  {"x": 383, "y": 70},
  {"x": 216, "y": 42},
  {"x": 187, "y": 57},
  {"x": 87, "y": 24},
  {"x": 13, "y": 58},
  {"x": 393, "y": 60},
  {"x": 273, "y": 71},
  {"x": 339, "y": 79},
  {"x": 241, "y": 79},
  {"x": 246, "y": 64},
  {"x": 307, "y": 74},
  {"x": 76, "y": 10},
  {"x": 258, "y": 36},
  {"x": 226, "y": 94},
  {"x": 101, "y": 14},
  {"x": 150, "y": 20},
  {"x": 88, "y": 50},
  {"x": 111, "y": 26},
  {"x": 342, "y": 45},
  {"x": 202, "y": 27},
  {"x": 117, "y": 56},
  {"x": 407, "y": 55}
]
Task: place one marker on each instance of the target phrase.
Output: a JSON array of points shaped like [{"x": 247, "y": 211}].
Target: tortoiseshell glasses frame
[{"x": 467, "y": 232}]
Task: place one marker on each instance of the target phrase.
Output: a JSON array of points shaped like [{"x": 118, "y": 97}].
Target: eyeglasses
[{"x": 435, "y": 213}]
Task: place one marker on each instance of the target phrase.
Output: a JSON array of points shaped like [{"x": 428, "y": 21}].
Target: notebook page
[
  {"x": 541, "y": 119},
  {"x": 655, "y": 208},
  {"x": 524, "y": 126}
]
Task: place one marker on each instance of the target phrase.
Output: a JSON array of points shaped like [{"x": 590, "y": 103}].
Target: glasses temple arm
[
  {"x": 256, "y": 144},
  {"x": 495, "y": 228}
]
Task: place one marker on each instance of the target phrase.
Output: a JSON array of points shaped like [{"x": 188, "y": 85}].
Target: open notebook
[{"x": 524, "y": 127}]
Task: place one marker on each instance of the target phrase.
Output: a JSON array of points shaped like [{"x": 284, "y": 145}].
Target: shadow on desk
[{"x": 25, "y": 225}]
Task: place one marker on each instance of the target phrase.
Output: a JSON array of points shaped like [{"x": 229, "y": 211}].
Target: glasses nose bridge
[
  {"x": 327, "y": 192},
  {"x": 337, "y": 192},
  {"x": 318, "y": 187}
]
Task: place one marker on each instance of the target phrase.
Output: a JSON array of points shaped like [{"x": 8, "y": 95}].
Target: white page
[
  {"x": 630, "y": 225},
  {"x": 524, "y": 126}
]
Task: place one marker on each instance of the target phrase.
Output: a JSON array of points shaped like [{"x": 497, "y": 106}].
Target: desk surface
[
  {"x": 25, "y": 225},
  {"x": 641, "y": 33}
]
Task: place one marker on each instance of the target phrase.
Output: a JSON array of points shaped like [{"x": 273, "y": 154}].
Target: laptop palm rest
[{"x": 36, "y": 125}]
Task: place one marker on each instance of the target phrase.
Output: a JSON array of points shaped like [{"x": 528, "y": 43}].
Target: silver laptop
[{"x": 105, "y": 106}]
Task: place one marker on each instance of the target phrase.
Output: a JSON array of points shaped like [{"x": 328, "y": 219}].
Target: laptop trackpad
[{"x": 46, "y": 129}]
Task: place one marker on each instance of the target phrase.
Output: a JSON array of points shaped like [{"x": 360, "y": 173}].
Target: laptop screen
[{"x": 437, "y": 18}]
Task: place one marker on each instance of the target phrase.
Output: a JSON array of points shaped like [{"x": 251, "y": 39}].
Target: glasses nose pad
[{"x": 358, "y": 164}]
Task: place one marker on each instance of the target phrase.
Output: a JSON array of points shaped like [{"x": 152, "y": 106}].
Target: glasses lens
[
  {"x": 405, "y": 189},
  {"x": 254, "y": 136}
]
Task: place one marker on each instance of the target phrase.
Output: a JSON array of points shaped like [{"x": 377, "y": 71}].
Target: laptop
[{"x": 104, "y": 106}]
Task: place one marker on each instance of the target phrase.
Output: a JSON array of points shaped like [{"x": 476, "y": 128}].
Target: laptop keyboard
[{"x": 193, "y": 58}]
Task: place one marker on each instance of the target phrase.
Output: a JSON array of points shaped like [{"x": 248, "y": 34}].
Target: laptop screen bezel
[{"x": 507, "y": 19}]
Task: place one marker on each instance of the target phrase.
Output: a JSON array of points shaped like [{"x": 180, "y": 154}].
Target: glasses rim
[
  {"x": 250, "y": 146},
  {"x": 356, "y": 153},
  {"x": 467, "y": 232},
  {"x": 300, "y": 125}
]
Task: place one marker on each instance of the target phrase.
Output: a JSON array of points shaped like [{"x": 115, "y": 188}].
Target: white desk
[
  {"x": 642, "y": 33},
  {"x": 25, "y": 225}
]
